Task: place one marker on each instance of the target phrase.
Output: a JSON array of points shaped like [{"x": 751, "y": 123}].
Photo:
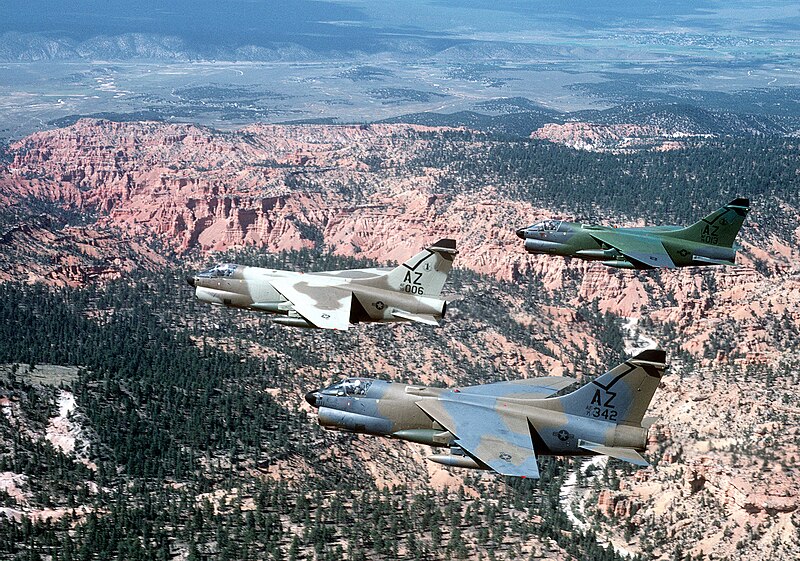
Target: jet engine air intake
[
  {"x": 541, "y": 246},
  {"x": 354, "y": 422}
]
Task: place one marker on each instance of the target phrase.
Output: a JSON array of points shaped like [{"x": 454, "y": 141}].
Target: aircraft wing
[
  {"x": 501, "y": 441},
  {"x": 529, "y": 388},
  {"x": 327, "y": 307},
  {"x": 647, "y": 251}
]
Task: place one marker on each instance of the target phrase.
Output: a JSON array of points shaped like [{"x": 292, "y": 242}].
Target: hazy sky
[{"x": 367, "y": 25}]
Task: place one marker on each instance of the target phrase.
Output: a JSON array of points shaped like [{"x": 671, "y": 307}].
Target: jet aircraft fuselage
[
  {"x": 503, "y": 426},
  {"x": 572, "y": 239},
  {"x": 335, "y": 299},
  {"x": 251, "y": 288},
  {"x": 707, "y": 242}
]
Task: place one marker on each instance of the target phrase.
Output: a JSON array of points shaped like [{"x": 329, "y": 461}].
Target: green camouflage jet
[
  {"x": 505, "y": 425},
  {"x": 707, "y": 242},
  {"x": 336, "y": 299}
]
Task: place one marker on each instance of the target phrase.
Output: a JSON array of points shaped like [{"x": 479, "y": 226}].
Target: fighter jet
[
  {"x": 707, "y": 242},
  {"x": 336, "y": 299},
  {"x": 505, "y": 425}
]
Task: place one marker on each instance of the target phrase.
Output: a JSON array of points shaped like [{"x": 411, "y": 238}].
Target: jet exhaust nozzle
[
  {"x": 630, "y": 437},
  {"x": 455, "y": 461}
]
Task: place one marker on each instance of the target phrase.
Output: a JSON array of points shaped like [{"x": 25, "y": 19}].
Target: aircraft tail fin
[
  {"x": 426, "y": 272},
  {"x": 621, "y": 395},
  {"x": 718, "y": 228}
]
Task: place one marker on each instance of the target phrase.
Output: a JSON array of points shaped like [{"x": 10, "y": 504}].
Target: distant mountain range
[
  {"x": 520, "y": 116},
  {"x": 33, "y": 47}
]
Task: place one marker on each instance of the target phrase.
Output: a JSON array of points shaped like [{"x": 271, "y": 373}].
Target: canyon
[{"x": 97, "y": 200}]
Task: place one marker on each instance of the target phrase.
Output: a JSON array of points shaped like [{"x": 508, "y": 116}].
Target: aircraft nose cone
[
  {"x": 311, "y": 398},
  {"x": 190, "y": 281},
  {"x": 521, "y": 233}
]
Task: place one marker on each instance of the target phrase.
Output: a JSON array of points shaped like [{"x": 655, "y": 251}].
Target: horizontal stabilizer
[
  {"x": 654, "y": 357},
  {"x": 419, "y": 318},
  {"x": 444, "y": 246},
  {"x": 709, "y": 261},
  {"x": 648, "y": 422},
  {"x": 626, "y": 454}
]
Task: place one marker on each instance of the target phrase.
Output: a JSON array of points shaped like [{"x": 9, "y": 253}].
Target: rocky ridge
[
  {"x": 192, "y": 191},
  {"x": 618, "y": 138}
]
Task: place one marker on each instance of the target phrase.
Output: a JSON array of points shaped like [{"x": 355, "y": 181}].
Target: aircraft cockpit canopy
[
  {"x": 545, "y": 226},
  {"x": 223, "y": 270},
  {"x": 349, "y": 386}
]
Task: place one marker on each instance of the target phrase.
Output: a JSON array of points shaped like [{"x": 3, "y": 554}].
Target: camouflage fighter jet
[
  {"x": 336, "y": 299},
  {"x": 505, "y": 425},
  {"x": 707, "y": 242}
]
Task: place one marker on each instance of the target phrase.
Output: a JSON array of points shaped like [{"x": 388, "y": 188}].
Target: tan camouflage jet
[
  {"x": 336, "y": 299},
  {"x": 505, "y": 425}
]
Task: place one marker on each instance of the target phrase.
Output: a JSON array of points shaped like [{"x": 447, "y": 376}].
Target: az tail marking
[{"x": 597, "y": 399}]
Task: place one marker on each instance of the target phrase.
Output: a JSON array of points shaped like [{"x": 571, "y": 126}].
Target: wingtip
[{"x": 652, "y": 355}]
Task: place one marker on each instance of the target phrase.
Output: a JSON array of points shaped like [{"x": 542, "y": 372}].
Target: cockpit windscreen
[
  {"x": 546, "y": 226},
  {"x": 349, "y": 386},
  {"x": 220, "y": 271}
]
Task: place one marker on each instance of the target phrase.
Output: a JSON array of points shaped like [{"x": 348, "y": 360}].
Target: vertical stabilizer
[
  {"x": 718, "y": 228},
  {"x": 426, "y": 272},
  {"x": 621, "y": 395}
]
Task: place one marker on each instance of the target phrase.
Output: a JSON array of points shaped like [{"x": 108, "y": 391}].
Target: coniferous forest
[
  {"x": 196, "y": 443},
  {"x": 183, "y": 438}
]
